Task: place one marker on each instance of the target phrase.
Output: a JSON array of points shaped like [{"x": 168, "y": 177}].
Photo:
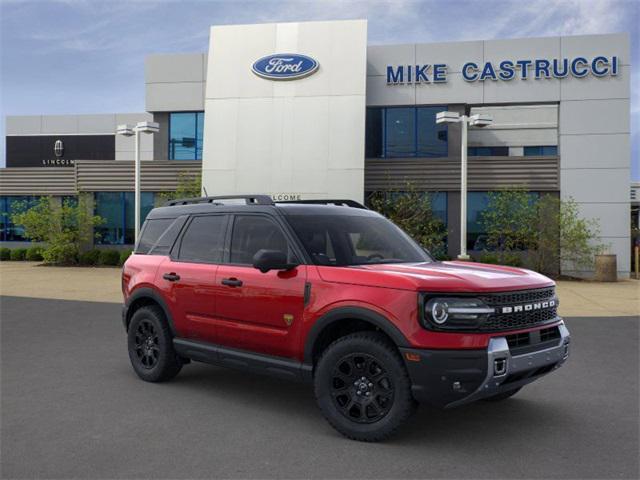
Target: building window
[
  {"x": 405, "y": 132},
  {"x": 185, "y": 135},
  {"x": 477, "y": 204},
  {"x": 541, "y": 151},
  {"x": 117, "y": 209},
  {"x": 488, "y": 151},
  {"x": 10, "y": 232}
]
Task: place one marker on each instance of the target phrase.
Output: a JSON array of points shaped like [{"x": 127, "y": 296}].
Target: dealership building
[{"x": 309, "y": 110}]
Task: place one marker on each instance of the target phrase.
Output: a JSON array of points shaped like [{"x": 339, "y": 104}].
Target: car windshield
[{"x": 343, "y": 240}]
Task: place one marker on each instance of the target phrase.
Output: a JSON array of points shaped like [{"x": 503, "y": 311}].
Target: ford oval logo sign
[{"x": 285, "y": 66}]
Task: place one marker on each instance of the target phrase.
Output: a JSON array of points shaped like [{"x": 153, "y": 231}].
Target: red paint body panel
[{"x": 252, "y": 316}]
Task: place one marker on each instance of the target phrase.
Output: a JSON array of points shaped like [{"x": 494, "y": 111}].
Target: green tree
[
  {"x": 547, "y": 231},
  {"x": 189, "y": 186},
  {"x": 509, "y": 222},
  {"x": 412, "y": 211},
  {"x": 65, "y": 227},
  {"x": 562, "y": 238}
]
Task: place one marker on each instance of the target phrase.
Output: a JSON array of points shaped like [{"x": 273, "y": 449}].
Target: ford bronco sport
[{"x": 334, "y": 294}]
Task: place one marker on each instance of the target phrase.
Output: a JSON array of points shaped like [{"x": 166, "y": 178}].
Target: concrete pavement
[{"x": 73, "y": 408}]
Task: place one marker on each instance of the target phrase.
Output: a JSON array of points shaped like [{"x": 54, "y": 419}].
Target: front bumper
[{"x": 450, "y": 378}]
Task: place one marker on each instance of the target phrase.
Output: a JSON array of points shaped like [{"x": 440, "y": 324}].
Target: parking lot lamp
[
  {"x": 128, "y": 131},
  {"x": 477, "y": 120}
]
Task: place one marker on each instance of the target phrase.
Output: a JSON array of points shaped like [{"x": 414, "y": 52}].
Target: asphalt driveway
[{"x": 73, "y": 408}]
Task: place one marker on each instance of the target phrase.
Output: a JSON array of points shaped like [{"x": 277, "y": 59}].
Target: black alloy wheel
[
  {"x": 146, "y": 344},
  {"x": 362, "y": 389},
  {"x": 362, "y": 386},
  {"x": 150, "y": 345}
]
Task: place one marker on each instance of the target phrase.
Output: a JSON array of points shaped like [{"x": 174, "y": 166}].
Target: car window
[
  {"x": 252, "y": 233},
  {"x": 354, "y": 240},
  {"x": 151, "y": 232},
  {"x": 203, "y": 240}
]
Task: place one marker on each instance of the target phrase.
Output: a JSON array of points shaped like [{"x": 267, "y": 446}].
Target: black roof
[{"x": 258, "y": 203}]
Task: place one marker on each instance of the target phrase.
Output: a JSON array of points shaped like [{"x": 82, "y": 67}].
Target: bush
[
  {"x": 64, "y": 228},
  {"x": 124, "y": 254},
  {"x": 18, "y": 254},
  {"x": 34, "y": 254},
  {"x": 489, "y": 258},
  {"x": 90, "y": 257},
  {"x": 411, "y": 210},
  {"x": 109, "y": 257},
  {"x": 511, "y": 259},
  {"x": 5, "y": 254}
]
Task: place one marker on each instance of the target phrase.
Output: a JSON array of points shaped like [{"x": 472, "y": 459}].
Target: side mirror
[{"x": 265, "y": 260}]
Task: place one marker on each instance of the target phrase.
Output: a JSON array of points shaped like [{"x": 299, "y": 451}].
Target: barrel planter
[{"x": 606, "y": 268}]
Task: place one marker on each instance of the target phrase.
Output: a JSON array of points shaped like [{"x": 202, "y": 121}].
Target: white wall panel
[
  {"x": 594, "y": 117},
  {"x": 596, "y": 185},
  {"x": 593, "y": 88},
  {"x": 455, "y": 90},
  {"x": 273, "y": 137},
  {"x": 175, "y": 97},
  {"x": 595, "y": 151}
]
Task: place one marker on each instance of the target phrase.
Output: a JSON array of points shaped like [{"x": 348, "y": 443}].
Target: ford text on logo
[
  {"x": 285, "y": 66},
  {"x": 528, "y": 307}
]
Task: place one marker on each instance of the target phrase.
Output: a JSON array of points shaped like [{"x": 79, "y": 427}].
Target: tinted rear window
[
  {"x": 204, "y": 239},
  {"x": 152, "y": 231}
]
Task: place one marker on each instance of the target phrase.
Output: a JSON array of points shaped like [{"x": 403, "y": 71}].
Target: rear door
[
  {"x": 189, "y": 276},
  {"x": 261, "y": 312}
]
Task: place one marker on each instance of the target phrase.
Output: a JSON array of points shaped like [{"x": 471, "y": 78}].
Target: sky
[{"x": 87, "y": 56}]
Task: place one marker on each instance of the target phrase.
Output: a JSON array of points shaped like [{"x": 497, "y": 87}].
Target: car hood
[{"x": 453, "y": 276}]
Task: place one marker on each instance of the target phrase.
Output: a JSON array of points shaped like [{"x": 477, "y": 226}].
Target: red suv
[{"x": 331, "y": 293}]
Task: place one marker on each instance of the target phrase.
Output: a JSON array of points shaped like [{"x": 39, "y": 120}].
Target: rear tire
[
  {"x": 362, "y": 387},
  {"x": 503, "y": 395},
  {"x": 150, "y": 345}
]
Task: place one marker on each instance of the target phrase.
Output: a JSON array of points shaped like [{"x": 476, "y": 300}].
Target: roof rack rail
[
  {"x": 338, "y": 202},
  {"x": 249, "y": 200}
]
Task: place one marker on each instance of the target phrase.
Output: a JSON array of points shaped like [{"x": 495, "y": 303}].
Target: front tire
[
  {"x": 362, "y": 387},
  {"x": 150, "y": 345}
]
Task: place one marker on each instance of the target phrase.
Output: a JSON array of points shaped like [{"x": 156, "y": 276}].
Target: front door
[{"x": 261, "y": 312}]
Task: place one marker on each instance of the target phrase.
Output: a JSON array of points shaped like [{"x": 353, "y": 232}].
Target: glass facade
[
  {"x": 477, "y": 203},
  {"x": 405, "y": 132},
  {"x": 117, "y": 209},
  {"x": 488, "y": 151},
  {"x": 9, "y": 232},
  {"x": 541, "y": 151},
  {"x": 185, "y": 135}
]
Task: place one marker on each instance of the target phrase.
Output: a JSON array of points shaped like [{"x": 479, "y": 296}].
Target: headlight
[{"x": 454, "y": 312}]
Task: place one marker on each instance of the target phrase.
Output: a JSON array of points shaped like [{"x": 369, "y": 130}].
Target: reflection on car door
[{"x": 258, "y": 311}]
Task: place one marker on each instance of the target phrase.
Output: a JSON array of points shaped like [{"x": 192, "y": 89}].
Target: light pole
[
  {"x": 128, "y": 131},
  {"x": 477, "y": 120}
]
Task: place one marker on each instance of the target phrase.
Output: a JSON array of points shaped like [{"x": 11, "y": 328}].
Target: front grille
[
  {"x": 516, "y": 320},
  {"x": 527, "y": 342}
]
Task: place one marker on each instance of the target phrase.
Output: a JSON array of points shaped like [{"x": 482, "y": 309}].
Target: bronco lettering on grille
[{"x": 528, "y": 307}]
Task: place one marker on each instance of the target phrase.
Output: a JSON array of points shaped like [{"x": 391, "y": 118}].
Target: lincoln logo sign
[
  {"x": 505, "y": 70},
  {"x": 528, "y": 307},
  {"x": 58, "y": 148},
  {"x": 285, "y": 66}
]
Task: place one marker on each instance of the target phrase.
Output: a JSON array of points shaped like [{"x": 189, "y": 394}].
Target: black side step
[{"x": 279, "y": 367}]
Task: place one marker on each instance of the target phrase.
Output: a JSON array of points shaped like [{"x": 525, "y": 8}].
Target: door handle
[
  {"x": 172, "y": 277},
  {"x": 232, "y": 282}
]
